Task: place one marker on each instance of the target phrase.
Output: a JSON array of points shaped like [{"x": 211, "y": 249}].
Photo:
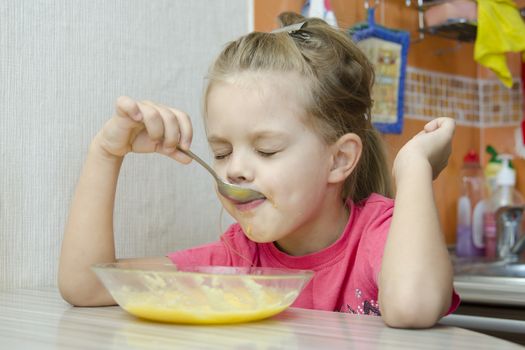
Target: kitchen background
[
  {"x": 63, "y": 63},
  {"x": 442, "y": 80}
]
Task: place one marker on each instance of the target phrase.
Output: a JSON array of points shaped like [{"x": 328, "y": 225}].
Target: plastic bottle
[
  {"x": 471, "y": 207},
  {"x": 491, "y": 170},
  {"x": 505, "y": 194}
]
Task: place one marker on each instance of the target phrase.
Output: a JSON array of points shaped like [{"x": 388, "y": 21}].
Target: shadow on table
[{"x": 111, "y": 327}]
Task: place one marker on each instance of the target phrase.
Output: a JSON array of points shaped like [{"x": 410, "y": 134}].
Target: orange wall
[{"x": 431, "y": 53}]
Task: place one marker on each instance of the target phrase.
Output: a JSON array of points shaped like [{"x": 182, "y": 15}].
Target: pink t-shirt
[{"x": 346, "y": 273}]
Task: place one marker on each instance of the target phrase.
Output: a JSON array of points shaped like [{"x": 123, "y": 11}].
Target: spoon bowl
[{"x": 230, "y": 191}]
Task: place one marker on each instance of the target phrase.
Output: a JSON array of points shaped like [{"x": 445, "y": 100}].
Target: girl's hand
[
  {"x": 433, "y": 144},
  {"x": 146, "y": 127}
]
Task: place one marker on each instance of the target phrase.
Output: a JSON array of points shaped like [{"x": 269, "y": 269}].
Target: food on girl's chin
[{"x": 207, "y": 304}]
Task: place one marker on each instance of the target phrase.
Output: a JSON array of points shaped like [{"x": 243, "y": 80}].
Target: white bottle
[
  {"x": 505, "y": 194},
  {"x": 471, "y": 207}
]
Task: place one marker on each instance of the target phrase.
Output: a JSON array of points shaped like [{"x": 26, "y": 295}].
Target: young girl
[{"x": 288, "y": 114}]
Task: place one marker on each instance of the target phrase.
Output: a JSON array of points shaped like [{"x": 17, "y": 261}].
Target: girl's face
[{"x": 257, "y": 132}]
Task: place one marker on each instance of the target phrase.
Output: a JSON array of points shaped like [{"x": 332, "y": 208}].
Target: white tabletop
[{"x": 40, "y": 319}]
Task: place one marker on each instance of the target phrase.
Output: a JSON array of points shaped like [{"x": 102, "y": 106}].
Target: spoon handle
[{"x": 200, "y": 161}]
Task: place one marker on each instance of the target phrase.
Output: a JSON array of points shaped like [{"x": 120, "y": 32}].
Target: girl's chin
[{"x": 252, "y": 235}]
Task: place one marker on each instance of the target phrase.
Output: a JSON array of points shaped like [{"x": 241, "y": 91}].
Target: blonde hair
[{"x": 339, "y": 79}]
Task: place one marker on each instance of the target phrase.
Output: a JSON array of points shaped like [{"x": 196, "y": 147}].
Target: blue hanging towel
[{"x": 387, "y": 49}]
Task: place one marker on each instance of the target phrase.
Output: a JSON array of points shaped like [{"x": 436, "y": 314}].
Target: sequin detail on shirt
[{"x": 366, "y": 307}]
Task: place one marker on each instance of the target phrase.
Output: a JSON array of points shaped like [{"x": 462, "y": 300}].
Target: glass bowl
[{"x": 201, "y": 294}]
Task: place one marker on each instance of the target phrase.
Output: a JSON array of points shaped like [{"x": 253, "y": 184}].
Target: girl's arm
[
  {"x": 416, "y": 278},
  {"x": 88, "y": 239}
]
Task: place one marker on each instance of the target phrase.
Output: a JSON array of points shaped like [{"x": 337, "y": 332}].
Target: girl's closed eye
[
  {"x": 267, "y": 153},
  {"x": 221, "y": 152},
  {"x": 270, "y": 148},
  {"x": 221, "y": 155}
]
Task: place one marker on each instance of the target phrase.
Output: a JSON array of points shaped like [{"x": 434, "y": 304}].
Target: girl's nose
[{"x": 239, "y": 169}]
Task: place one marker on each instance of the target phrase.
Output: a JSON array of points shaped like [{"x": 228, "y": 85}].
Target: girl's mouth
[{"x": 245, "y": 206}]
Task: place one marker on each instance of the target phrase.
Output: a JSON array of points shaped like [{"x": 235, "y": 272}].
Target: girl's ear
[{"x": 346, "y": 152}]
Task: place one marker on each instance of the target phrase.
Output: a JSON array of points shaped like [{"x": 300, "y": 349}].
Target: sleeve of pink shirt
[{"x": 377, "y": 234}]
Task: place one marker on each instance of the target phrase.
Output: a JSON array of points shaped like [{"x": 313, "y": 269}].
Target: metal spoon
[{"x": 233, "y": 192}]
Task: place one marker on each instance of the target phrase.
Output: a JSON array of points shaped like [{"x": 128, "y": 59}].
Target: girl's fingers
[
  {"x": 186, "y": 130},
  {"x": 126, "y": 107},
  {"x": 142, "y": 143},
  {"x": 154, "y": 127},
  {"x": 153, "y": 122},
  {"x": 172, "y": 131},
  {"x": 430, "y": 126},
  {"x": 171, "y": 127},
  {"x": 447, "y": 124},
  {"x": 182, "y": 130}
]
